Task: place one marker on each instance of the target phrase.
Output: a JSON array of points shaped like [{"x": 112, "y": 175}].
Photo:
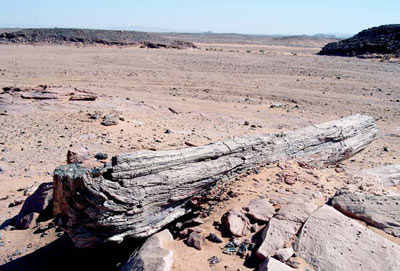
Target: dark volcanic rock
[{"x": 383, "y": 39}]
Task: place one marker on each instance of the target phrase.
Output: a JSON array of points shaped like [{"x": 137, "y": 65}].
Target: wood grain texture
[{"x": 143, "y": 191}]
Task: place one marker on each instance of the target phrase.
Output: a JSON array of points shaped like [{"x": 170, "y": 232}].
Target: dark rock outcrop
[
  {"x": 382, "y": 40},
  {"x": 91, "y": 37}
]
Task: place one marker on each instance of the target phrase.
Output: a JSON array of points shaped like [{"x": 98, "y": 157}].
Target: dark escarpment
[
  {"x": 61, "y": 36},
  {"x": 381, "y": 40}
]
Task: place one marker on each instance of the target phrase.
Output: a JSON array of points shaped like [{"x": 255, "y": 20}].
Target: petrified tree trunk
[{"x": 143, "y": 191}]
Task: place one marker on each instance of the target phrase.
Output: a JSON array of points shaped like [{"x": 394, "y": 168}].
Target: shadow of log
[{"x": 62, "y": 255}]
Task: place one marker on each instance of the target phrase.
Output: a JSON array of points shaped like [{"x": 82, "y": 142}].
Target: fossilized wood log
[{"x": 143, "y": 191}]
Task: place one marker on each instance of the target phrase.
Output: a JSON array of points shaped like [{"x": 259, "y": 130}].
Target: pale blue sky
[{"x": 245, "y": 16}]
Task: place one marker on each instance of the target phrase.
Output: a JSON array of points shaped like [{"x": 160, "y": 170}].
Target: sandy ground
[{"x": 214, "y": 90}]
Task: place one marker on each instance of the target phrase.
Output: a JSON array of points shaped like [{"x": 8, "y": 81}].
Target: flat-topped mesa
[{"x": 144, "y": 191}]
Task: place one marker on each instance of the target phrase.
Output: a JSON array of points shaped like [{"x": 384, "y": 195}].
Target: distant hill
[
  {"x": 380, "y": 40},
  {"x": 90, "y": 36}
]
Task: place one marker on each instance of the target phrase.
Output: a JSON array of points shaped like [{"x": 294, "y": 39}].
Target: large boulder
[
  {"x": 331, "y": 241},
  {"x": 382, "y": 212},
  {"x": 260, "y": 210},
  {"x": 39, "y": 205},
  {"x": 153, "y": 255}
]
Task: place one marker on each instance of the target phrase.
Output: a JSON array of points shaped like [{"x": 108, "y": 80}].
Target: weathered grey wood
[{"x": 143, "y": 191}]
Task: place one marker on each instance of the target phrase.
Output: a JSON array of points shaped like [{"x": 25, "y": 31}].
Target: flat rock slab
[
  {"x": 275, "y": 235},
  {"x": 386, "y": 175},
  {"x": 297, "y": 211},
  {"x": 382, "y": 212},
  {"x": 152, "y": 256},
  {"x": 331, "y": 241},
  {"x": 260, "y": 210}
]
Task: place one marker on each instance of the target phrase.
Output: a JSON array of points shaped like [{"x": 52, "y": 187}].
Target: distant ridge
[
  {"x": 381, "y": 40},
  {"x": 90, "y": 36}
]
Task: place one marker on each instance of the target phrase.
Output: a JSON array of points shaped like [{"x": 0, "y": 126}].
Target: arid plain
[{"x": 169, "y": 99}]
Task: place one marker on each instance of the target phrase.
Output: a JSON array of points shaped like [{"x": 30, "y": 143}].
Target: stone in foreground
[
  {"x": 283, "y": 254},
  {"x": 331, "y": 241},
  {"x": 235, "y": 223},
  {"x": 274, "y": 265},
  {"x": 276, "y": 235},
  {"x": 152, "y": 256},
  {"x": 382, "y": 212}
]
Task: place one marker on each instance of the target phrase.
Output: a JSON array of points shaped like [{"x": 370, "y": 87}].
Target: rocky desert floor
[{"x": 168, "y": 99}]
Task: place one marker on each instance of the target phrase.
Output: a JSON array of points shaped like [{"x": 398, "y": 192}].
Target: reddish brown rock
[
  {"x": 77, "y": 155},
  {"x": 195, "y": 240}
]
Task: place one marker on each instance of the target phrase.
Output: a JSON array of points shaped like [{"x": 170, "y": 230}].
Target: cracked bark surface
[{"x": 144, "y": 191}]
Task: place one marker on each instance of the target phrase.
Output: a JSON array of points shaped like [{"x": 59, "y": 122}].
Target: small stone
[
  {"x": 109, "y": 120},
  {"x": 275, "y": 105},
  {"x": 195, "y": 240},
  {"x": 193, "y": 222},
  {"x": 236, "y": 223},
  {"x": 214, "y": 260},
  {"x": 1, "y": 240},
  {"x": 94, "y": 115},
  {"x": 178, "y": 225},
  {"x": 283, "y": 254},
  {"x": 187, "y": 231},
  {"x": 9, "y": 228},
  {"x": 16, "y": 202},
  {"x": 253, "y": 228},
  {"x": 101, "y": 156},
  {"x": 28, "y": 221},
  {"x": 293, "y": 262},
  {"x": 212, "y": 237}
]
